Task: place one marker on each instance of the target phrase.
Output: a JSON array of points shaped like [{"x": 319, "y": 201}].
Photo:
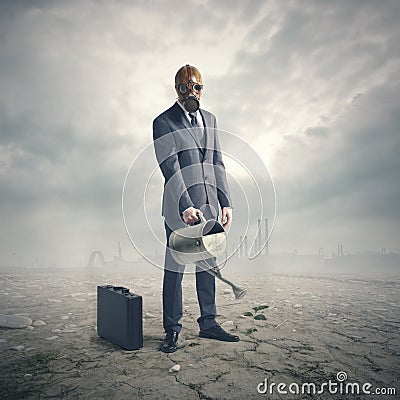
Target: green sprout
[{"x": 256, "y": 316}]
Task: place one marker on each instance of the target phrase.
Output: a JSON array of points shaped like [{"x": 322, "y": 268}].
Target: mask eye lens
[
  {"x": 183, "y": 88},
  {"x": 197, "y": 87}
]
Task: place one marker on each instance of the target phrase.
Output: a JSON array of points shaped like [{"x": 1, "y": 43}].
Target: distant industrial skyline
[{"x": 94, "y": 256}]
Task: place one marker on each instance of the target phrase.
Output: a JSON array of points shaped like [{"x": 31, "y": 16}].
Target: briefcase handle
[{"x": 121, "y": 289}]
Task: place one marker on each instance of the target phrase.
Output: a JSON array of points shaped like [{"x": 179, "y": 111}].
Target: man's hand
[
  {"x": 190, "y": 215},
  {"x": 226, "y": 217}
]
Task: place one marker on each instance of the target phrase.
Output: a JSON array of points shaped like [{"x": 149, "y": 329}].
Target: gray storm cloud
[{"x": 313, "y": 86}]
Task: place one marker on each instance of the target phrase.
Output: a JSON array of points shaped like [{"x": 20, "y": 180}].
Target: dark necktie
[
  {"x": 198, "y": 131},
  {"x": 193, "y": 120}
]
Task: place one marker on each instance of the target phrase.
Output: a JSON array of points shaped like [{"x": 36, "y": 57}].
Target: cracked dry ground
[{"x": 316, "y": 326}]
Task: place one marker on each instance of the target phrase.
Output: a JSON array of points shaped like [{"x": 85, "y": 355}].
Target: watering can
[{"x": 199, "y": 242}]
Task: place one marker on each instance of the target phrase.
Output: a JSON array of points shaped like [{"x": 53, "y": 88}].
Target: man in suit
[{"x": 189, "y": 155}]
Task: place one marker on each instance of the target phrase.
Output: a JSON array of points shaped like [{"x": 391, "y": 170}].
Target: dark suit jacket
[{"x": 194, "y": 176}]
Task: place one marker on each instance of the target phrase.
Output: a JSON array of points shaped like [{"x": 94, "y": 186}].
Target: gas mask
[{"x": 188, "y": 86}]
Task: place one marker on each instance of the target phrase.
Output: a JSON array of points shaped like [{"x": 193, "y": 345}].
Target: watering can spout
[{"x": 237, "y": 291}]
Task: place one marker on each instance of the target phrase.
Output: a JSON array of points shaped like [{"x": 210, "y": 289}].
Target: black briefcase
[{"x": 119, "y": 316}]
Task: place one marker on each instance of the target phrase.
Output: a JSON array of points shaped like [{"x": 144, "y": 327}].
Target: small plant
[
  {"x": 41, "y": 360},
  {"x": 255, "y": 316}
]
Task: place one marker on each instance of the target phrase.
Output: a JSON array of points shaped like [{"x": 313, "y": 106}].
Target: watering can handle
[{"x": 202, "y": 218}]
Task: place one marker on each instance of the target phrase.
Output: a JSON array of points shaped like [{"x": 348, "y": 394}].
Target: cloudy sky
[{"x": 312, "y": 85}]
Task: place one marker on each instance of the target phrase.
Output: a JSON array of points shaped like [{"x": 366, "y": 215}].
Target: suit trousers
[{"x": 172, "y": 293}]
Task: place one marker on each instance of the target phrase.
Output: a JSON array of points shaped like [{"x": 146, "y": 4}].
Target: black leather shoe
[
  {"x": 168, "y": 345},
  {"x": 217, "y": 333}
]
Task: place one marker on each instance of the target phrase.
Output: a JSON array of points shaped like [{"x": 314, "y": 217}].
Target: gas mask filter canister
[{"x": 191, "y": 104}]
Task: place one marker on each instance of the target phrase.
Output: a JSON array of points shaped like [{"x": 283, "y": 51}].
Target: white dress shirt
[{"x": 199, "y": 131}]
